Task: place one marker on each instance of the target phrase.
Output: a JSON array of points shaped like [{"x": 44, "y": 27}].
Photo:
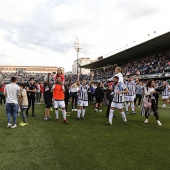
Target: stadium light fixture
[{"x": 77, "y": 47}]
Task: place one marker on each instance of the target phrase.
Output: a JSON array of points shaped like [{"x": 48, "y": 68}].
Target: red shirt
[
  {"x": 62, "y": 77},
  {"x": 2, "y": 88},
  {"x": 110, "y": 84},
  {"x": 41, "y": 88}
]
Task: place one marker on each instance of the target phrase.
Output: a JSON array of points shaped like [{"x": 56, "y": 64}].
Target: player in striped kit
[
  {"x": 165, "y": 93},
  {"x": 119, "y": 90},
  {"x": 83, "y": 97},
  {"x": 130, "y": 96}
]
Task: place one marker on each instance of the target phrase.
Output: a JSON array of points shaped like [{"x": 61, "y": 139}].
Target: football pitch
[{"x": 86, "y": 144}]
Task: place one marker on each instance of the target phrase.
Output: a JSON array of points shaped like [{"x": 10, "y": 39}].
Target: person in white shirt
[
  {"x": 118, "y": 74},
  {"x": 74, "y": 95},
  {"x": 12, "y": 94},
  {"x": 149, "y": 95}
]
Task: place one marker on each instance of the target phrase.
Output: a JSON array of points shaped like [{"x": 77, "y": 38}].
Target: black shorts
[
  {"x": 99, "y": 100},
  {"x": 48, "y": 103}
]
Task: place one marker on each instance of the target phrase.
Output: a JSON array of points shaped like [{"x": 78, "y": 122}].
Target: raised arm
[
  {"x": 69, "y": 80},
  {"x": 91, "y": 78},
  {"x": 78, "y": 79}
]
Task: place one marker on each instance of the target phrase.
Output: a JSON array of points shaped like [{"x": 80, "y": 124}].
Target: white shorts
[
  {"x": 129, "y": 98},
  {"x": 82, "y": 103},
  {"x": 59, "y": 103},
  {"x": 165, "y": 97},
  {"x": 117, "y": 105}
]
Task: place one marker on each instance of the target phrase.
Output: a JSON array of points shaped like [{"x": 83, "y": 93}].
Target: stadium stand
[{"x": 150, "y": 59}]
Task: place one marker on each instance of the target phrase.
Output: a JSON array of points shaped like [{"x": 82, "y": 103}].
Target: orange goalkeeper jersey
[{"x": 58, "y": 93}]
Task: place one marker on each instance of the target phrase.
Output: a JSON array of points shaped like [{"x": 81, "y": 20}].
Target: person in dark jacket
[
  {"x": 31, "y": 90},
  {"x": 89, "y": 94},
  {"x": 47, "y": 99},
  {"x": 109, "y": 97},
  {"x": 67, "y": 97},
  {"x": 99, "y": 95}
]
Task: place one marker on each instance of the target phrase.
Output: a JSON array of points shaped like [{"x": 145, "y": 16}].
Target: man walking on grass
[{"x": 12, "y": 93}]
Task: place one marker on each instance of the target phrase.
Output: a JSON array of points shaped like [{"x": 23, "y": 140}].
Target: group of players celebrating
[{"x": 124, "y": 93}]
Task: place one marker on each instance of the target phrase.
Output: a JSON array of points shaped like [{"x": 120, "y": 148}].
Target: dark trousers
[
  {"x": 108, "y": 108},
  {"x": 74, "y": 98},
  {"x": 38, "y": 96},
  {"x": 66, "y": 104},
  {"x": 2, "y": 97},
  {"x": 92, "y": 96},
  {"x": 89, "y": 97},
  {"x": 31, "y": 101},
  {"x": 156, "y": 100},
  {"x": 154, "y": 108},
  {"x": 139, "y": 101}
]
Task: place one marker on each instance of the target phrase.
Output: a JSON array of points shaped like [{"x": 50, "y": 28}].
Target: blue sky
[{"x": 42, "y": 32}]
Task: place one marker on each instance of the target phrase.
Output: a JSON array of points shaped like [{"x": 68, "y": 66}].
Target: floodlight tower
[{"x": 77, "y": 47}]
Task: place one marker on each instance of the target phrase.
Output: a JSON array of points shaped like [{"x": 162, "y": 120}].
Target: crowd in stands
[
  {"x": 159, "y": 63},
  {"x": 24, "y": 77}
]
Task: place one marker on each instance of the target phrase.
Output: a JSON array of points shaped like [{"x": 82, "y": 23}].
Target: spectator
[
  {"x": 23, "y": 104},
  {"x": 138, "y": 93},
  {"x": 149, "y": 95},
  {"x": 41, "y": 91},
  {"x": 31, "y": 90},
  {"x": 74, "y": 95},
  {"x": 12, "y": 93},
  {"x": 38, "y": 97},
  {"x": 2, "y": 97},
  {"x": 99, "y": 95},
  {"x": 47, "y": 99}
]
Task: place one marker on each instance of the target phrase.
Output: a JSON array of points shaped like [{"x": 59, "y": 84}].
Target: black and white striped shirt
[
  {"x": 131, "y": 88},
  {"x": 119, "y": 98},
  {"x": 165, "y": 92},
  {"x": 83, "y": 92}
]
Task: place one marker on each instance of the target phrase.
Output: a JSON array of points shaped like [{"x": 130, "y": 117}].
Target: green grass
[{"x": 86, "y": 145}]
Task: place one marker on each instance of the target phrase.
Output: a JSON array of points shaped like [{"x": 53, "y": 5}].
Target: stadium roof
[{"x": 153, "y": 46}]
